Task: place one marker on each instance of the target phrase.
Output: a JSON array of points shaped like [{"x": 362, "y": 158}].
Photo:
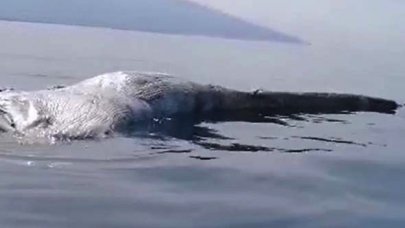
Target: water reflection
[
  {"x": 190, "y": 137},
  {"x": 332, "y": 140},
  {"x": 209, "y": 138}
]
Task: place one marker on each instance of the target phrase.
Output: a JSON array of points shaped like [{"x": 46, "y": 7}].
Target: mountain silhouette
[{"x": 159, "y": 16}]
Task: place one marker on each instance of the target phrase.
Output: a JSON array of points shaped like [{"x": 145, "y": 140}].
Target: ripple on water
[{"x": 204, "y": 142}]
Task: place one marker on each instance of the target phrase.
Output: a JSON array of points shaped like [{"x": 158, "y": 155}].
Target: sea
[{"x": 306, "y": 170}]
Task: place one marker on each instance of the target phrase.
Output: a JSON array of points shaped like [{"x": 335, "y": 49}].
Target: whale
[{"x": 108, "y": 104}]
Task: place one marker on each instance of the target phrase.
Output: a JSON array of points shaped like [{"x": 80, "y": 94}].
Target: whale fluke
[{"x": 112, "y": 102}]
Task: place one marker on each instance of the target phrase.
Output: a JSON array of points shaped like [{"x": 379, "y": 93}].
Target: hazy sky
[{"x": 323, "y": 19}]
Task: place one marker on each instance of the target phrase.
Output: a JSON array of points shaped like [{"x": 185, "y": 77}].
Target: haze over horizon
[{"x": 346, "y": 22}]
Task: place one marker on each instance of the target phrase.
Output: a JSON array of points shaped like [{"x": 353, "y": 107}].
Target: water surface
[{"x": 291, "y": 171}]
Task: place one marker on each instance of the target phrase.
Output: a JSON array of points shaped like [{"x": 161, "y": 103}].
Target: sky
[{"x": 323, "y": 20}]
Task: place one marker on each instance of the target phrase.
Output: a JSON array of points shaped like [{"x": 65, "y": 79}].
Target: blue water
[{"x": 295, "y": 171}]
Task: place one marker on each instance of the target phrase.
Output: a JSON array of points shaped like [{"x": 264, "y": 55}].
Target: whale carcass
[{"x": 108, "y": 103}]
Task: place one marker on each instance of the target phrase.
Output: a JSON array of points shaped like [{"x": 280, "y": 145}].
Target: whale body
[{"x": 110, "y": 102}]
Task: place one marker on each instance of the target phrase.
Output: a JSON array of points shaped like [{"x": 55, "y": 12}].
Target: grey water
[{"x": 336, "y": 170}]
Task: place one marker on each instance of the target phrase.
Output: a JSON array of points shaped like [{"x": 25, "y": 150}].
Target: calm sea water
[{"x": 297, "y": 171}]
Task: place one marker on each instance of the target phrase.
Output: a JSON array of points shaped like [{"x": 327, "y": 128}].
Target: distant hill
[{"x": 160, "y": 16}]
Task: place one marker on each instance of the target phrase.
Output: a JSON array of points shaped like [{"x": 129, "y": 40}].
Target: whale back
[{"x": 167, "y": 95}]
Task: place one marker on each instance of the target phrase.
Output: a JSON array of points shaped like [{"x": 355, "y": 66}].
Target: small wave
[{"x": 331, "y": 140}]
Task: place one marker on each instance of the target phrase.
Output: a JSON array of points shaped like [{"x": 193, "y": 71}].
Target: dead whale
[{"x": 108, "y": 103}]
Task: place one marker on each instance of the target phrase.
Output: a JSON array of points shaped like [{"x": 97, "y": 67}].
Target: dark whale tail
[
  {"x": 289, "y": 103},
  {"x": 324, "y": 102}
]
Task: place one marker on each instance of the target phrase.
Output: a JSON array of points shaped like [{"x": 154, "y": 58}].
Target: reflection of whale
[{"x": 114, "y": 101}]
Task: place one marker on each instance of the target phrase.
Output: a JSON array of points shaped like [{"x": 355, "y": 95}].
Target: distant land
[{"x": 158, "y": 16}]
